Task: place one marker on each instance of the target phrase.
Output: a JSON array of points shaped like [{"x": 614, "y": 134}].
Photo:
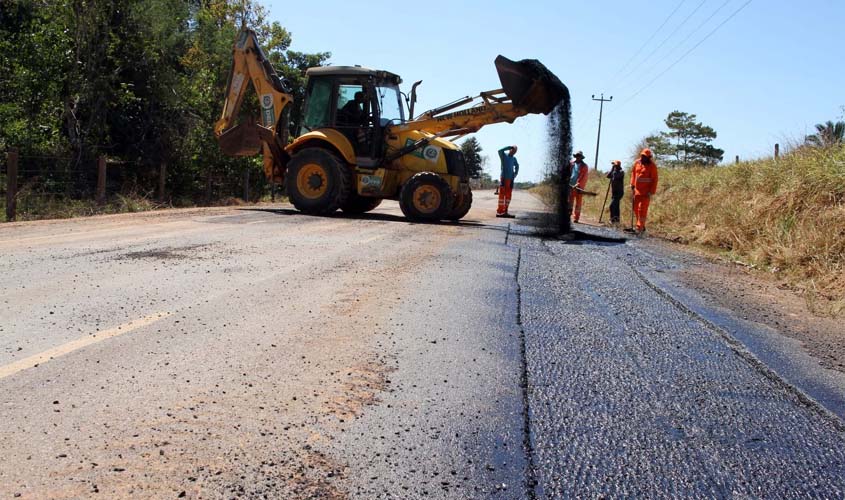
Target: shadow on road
[
  {"x": 381, "y": 217},
  {"x": 544, "y": 225}
]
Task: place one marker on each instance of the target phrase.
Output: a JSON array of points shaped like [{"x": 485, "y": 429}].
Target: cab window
[
  {"x": 390, "y": 105},
  {"x": 352, "y": 105},
  {"x": 318, "y": 100}
]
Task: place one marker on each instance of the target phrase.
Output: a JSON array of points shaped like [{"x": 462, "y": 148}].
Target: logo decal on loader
[
  {"x": 431, "y": 153},
  {"x": 371, "y": 180},
  {"x": 371, "y": 184},
  {"x": 268, "y": 115}
]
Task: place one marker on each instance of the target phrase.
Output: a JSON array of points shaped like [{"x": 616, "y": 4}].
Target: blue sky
[{"x": 766, "y": 76}]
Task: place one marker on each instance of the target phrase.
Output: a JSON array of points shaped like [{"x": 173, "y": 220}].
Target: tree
[
  {"x": 827, "y": 134},
  {"x": 687, "y": 142},
  {"x": 472, "y": 157},
  {"x": 141, "y": 81}
]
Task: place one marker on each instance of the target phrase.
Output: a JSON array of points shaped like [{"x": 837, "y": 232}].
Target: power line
[
  {"x": 690, "y": 35},
  {"x": 677, "y": 28},
  {"x": 653, "y": 34},
  {"x": 685, "y": 54}
]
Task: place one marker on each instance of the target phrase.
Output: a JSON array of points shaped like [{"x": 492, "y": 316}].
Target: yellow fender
[{"x": 326, "y": 135}]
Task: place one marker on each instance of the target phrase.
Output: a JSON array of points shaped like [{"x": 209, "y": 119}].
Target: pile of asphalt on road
[{"x": 558, "y": 168}]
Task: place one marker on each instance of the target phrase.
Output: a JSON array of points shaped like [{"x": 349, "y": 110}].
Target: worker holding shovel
[
  {"x": 577, "y": 181},
  {"x": 643, "y": 185}
]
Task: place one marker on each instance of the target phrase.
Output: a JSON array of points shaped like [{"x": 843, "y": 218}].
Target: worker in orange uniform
[
  {"x": 644, "y": 185},
  {"x": 510, "y": 169},
  {"x": 577, "y": 183}
]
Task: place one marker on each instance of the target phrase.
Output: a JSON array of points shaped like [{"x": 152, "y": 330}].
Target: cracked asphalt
[{"x": 260, "y": 353}]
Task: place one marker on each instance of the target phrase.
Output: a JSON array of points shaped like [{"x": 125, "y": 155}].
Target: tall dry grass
[{"x": 786, "y": 217}]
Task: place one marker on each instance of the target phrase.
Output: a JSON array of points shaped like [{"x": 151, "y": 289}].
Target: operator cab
[{"x": 358, "y": 102}]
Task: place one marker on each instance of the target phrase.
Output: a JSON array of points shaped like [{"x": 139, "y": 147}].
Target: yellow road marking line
[{"x": 75, "y": 345}]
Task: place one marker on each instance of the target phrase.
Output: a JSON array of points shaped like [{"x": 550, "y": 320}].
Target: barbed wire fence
[{"x": 37, "y": 186}]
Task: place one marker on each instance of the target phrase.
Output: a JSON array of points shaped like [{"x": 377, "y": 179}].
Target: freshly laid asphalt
[
  {"x": 265, "y": 354},
  {"x": 632, "y": 394}
]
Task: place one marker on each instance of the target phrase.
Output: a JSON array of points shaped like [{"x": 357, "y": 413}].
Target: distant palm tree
[{"x": 827, "y": 134}]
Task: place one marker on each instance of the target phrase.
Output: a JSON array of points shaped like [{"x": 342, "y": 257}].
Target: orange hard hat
[
  {"x": 647, "y": 152},
  {"x": 616, "y": 162}
]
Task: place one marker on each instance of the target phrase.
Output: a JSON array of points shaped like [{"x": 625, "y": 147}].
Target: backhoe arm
[
  {"x": 249, "y": 65},
  {"x": 528, "y": 87},
  {"x": 494, "y": 107}
]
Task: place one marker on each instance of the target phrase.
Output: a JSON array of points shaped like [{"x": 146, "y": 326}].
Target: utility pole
[{"x": 601, "y": 101}]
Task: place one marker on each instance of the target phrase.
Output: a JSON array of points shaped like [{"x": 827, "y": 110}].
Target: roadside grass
[
  {"x": 785, "y": 217},
  {"x": 53, "y": 207}
]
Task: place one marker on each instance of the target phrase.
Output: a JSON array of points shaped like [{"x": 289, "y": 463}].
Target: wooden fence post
[
  {"x": 11, "y": 184},
  {"x": 101, "y": 180},
  {"x": 777, "y": 151},
  {"x": 162, "y": 177}
]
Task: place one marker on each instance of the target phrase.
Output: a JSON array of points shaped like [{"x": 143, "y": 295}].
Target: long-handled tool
[
  {"x": 604, "y": 202},
  {"x": 585, "y": 193}
]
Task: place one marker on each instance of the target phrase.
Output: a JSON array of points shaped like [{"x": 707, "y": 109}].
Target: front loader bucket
[
  {"x": 244, "y": 139},
  {"x": 530, "y": 85}
]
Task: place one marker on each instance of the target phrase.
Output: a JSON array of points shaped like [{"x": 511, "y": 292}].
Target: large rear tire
[
  {"x": 425, "y": 197},
  {"x": 357, "y": 204},
  {"x": 463, "y": 202},
  {"x": 318, "y": 182}
]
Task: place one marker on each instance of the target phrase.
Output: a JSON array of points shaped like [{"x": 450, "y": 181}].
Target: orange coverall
[{"x": 644, "y": 182}]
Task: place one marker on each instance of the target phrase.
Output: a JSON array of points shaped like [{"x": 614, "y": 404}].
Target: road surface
[{"x": 261, "y": 353}]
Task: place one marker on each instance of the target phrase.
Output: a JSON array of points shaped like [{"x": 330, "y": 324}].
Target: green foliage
[
  {"x": 686, "y": 143},
  {"x": 472, "y": 157},
  {"x": 141, "y": 81},
  {"x": 827, "y": 134}
]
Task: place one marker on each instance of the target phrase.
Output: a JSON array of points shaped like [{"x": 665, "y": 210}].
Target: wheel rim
[
  {"x": 427, "y": 199},
  {"x": 312, "y": 181}
]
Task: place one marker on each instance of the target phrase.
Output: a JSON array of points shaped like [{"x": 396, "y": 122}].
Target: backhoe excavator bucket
[
  {"x": 244, "y": 139},
  {"x": 530, "y": 85}
]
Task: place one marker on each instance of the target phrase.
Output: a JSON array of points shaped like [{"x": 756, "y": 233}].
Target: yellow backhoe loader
[{"x": 356, "y": 147}]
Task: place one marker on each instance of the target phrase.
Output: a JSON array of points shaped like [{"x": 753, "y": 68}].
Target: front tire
[
  {"x": 318, "y": 182},
  {"x": 425, "y": 197},
  {"x": 463, "y": 202}
]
